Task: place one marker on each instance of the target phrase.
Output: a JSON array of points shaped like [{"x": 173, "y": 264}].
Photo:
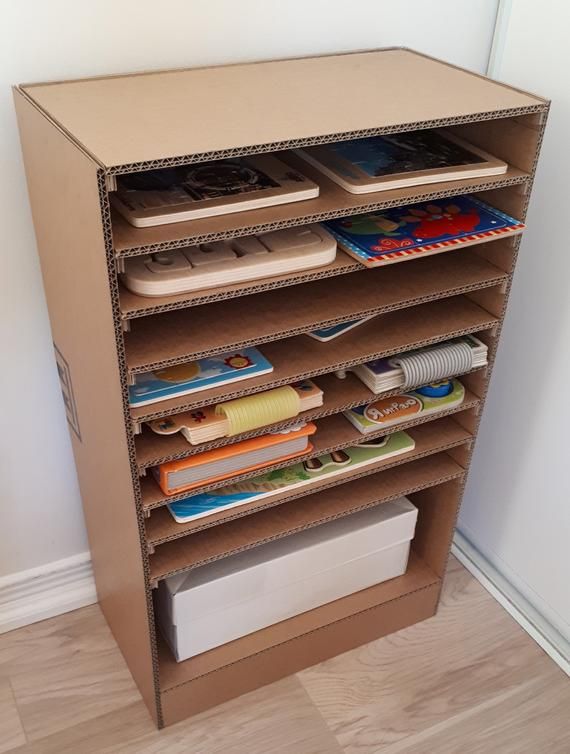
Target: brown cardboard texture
[{"x": 72, "y": 157}]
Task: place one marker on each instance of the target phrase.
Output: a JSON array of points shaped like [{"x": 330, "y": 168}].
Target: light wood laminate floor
[{"x": 469, "y": 680}]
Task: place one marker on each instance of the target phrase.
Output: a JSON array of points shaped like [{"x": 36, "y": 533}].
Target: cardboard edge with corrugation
[
  {"x": 83, "y": 307},
  {"x": 181, "y": 699}
]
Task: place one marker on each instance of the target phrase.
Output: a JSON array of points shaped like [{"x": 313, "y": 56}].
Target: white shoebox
[{"x": 235, "y": 596}]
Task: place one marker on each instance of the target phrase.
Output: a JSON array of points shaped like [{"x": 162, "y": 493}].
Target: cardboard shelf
[
  {"x": 74, "y": 157},
  {"x": 180, "y": 336},
  {"x": 133, "y": 306},
  {"x": 418, "y": 576},
  {"x": 433, "y": 437},
  {"x": 181, "y": 550},
  {"x": 339, "y": 395},
  {"x": 300, "y": 357},
  {"x": 333, "y": 433},
  {"x": 333, "y": 201}
]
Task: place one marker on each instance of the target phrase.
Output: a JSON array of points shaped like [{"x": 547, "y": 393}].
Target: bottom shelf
[
  {"x": 308, "y": 638},
  {"x": 266, "y": 656},
  {"x": 283, "y": 520}
]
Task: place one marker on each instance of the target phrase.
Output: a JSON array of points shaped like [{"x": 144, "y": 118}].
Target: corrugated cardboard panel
[
  {"x": 64, "y": 194},
  {"x": 300, "y": 357},
  {"x": 339, "y": 395},
  {"x": 333, "y": 433},
  {"x": 160, "y": 115},
  {"x": 333, "y": 201},
  {"x": 138, "y": 306},
  {"x": 176, "y": 551},
  {"x": 433, "y": 437},
  {"x": 186, "y": 335}
]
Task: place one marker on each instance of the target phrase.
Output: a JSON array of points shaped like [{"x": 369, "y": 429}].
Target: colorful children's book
[
  {"x": 328, "y": 333},
  {"x": 299, "y": 475},
  {"x": 211, "y": 265},
  {"x": 193, "y": 376},
  {"x": 243, "y": 414},
  {"x": 394, "y": 234},
  {"x": 384, "y": 412},
  {"x": 379, "y": 163},
  {"x": 188, "y": 192},
  {"x": 438, "y": 361},
  {"x": 241, "y": 457}
]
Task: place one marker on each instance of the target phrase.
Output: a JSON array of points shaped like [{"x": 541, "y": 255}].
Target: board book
[
  {"x": 384, "y": 412},
  {"x": 240, "y": 458},
  {"x": 329, "y": 333},
  {"x": 394, "y": 234},
  {"x": 211, "y": 265},
  {"x": 189, "y": 192},
  {"x": 243, "y": 414},
  {"x": 380, "y": 163},
  {"x": 389, "y": 373},
  {"x": 193, "y": 376},
  {"x": 292, "y": 477}
]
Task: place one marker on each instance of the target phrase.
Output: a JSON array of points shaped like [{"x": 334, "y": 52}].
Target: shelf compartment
[
  {"x": 435, "y": 437},
  {"x": 417, "y": 578},
  {"x": 333, "y": 433},
  {"x": 301, "y": 357},
  {"x": 339, "y": 395},
  {"x": 180, "y": 336},
  {"x": 132, "y": 306},
  {"x": 333, "y": 201},
  {"x": 178, "y": 551}
]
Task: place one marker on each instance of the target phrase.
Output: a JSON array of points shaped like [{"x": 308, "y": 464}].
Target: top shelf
[
  {"x": 333, "y": 201},
  {"x": 170, "y": 117}
]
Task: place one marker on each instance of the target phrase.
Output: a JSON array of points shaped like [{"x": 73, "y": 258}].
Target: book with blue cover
[
  {"x": 182, "y": 379},
  {"x": 391, "y": 235},
  {"x": 329, "y": 333},
  {"x": 391, "y": 161}
]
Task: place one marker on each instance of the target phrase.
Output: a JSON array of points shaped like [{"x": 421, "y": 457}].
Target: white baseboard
[
  {"x": 526, "y": 615},
  {"x": 40, "y": 593}
]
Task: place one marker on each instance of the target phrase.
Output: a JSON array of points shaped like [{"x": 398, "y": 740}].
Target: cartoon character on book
[{"x": 433, "y": 222}]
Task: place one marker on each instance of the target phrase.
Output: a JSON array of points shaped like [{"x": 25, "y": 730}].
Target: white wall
[
  {"x": 40, "y": 513},
  {"x": 517, "y": 505}
]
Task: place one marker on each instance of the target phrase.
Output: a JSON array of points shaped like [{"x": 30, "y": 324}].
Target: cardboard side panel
[
  {"x": 63, "y": 188},
  {"x": 300, "y": 652},
  {"x": 438, "y": 507}
]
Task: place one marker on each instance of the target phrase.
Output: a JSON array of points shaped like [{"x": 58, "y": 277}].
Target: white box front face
[
  {"x": 270, "y": 567},
  {"x": 208, "y": 631},
  {"x": 242, "y": 594}
]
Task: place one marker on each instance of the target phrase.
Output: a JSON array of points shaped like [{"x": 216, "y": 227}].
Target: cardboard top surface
[{"x": 129, "y": 119}]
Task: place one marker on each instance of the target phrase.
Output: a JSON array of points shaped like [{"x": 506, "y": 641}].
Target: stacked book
[
  {"x": 242, "y": 457},
  {"x": 423, "y": 365}
]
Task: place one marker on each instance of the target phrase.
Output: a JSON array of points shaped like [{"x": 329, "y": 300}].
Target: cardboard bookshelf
[{"x": 77, "y": 136}]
